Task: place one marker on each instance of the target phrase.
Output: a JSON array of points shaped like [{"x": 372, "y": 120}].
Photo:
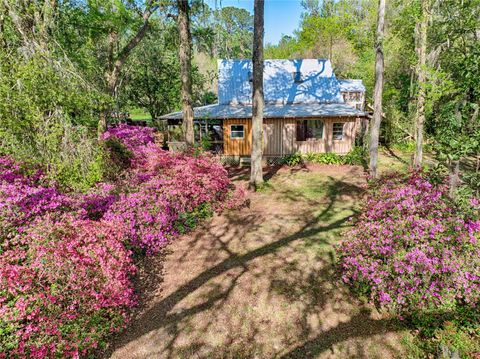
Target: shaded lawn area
[
  {"x": 261, "y": 282},
  {"x": 139, "y": 114}
]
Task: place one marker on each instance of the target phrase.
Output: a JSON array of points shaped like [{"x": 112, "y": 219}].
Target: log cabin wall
[
  {"x": 236, "y": 146},
  {"x": 328, "y": 144},
  {"x": 280, "y": 137}
]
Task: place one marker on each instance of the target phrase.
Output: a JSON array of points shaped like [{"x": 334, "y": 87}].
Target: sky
[{"x": 282, "y": 17}]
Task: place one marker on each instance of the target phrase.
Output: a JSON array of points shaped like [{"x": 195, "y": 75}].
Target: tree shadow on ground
[
  {"x": 361, "y": 326},
  {"x": 227, "y": 259}
]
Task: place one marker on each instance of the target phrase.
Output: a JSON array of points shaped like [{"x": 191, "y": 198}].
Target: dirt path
[{"x": 260, "y": 282}]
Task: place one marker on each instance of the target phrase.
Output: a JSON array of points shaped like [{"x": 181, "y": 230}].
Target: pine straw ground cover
[
  {"x": 266, "y": 282},
  {"x": 262, "y": 283}
]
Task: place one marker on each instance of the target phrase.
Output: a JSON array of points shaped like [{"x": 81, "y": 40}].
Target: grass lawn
[
  {"x": 140, "y": 114},
  {"x": 261, "y": 282}
]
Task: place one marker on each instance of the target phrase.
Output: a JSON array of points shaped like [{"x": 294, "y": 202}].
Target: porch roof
[{"x": 217, "y": 111}]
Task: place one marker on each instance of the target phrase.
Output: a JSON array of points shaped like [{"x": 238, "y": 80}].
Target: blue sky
[{"x": 282, "y": 17}]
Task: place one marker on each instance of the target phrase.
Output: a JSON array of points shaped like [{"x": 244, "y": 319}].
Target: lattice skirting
[{"x": 245, "y": 161}]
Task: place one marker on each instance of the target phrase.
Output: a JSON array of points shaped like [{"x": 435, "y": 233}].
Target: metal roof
[
  {"x": 351, "y": 85},
  {"x": 217, "y": 111},
  {"x": 317, "y": 81}
]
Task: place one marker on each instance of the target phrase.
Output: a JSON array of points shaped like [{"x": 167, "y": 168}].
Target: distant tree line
[
  {"x": 431, "y": 53},
  {"x": 65, "y": 66}
]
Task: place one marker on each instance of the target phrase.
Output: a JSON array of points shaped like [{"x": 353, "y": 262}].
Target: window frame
[
  {"x": 231, "y": 131},
  {"x": 343, "y": 131},
  {"x": 302, "y": 122}
]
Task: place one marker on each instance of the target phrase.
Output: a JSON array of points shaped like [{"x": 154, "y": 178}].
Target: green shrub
[
  {"x": 354, "y": 157},
  {"x": 406, "y": 146},
  {"x": 328, "y": 159},
  {"x": 458, "y": 330},
  {"x": 187, "y": 221},
  {"x": 117, "y": 157},
  {"x": 293, "y": 159},
  {"x": 48, "y": 117}
]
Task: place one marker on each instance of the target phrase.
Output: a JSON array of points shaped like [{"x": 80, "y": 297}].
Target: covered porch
[{"x": 287, "y": 129}]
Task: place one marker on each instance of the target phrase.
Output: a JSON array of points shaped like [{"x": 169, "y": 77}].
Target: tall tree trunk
[
  {"x": 116, "y": 64},
  {"x": 454, "y": 169},
  {"x": 256, "y": 176},
  {"x": 422, "y": 77},
  {"x": 377, "y": 107},
  {"x": 185, "y": 55}
]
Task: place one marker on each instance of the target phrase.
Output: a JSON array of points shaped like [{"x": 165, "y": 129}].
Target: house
[{"x": 307, "y": 109}]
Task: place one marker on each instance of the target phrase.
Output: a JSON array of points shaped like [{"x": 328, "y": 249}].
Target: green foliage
[
  {"x": 405, "y": 146},
  {"x": 48, "y": 117},
  {"x": 116, "y": 159},
  {"x": 293, "y": 159},
  {"x": 188, "y": 221},
  {"x": 152, "y": 80},
  {"x": 324, "y": 158},
  {"x": 341, "y": 31},
  {"x": 355, "y": 157},
  {"x": 225, "y": 32},
  {"x": 457, "y": 329}
]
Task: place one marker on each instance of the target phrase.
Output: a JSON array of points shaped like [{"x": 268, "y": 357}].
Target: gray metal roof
[
  {"x": 217, "y": 111},
  {"x": 351, "y": 85}
]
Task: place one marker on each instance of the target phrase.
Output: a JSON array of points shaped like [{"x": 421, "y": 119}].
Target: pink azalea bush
[
  {"x": 412, "y": 248},
  {"x": 94, "y": 204},
  {"x": 132, "y": 137},
  {"x": 65, "y": 259},
  {"x": 64, "y": 285},
  {"x": 23, "y": 198},
  {"x": 165, "y": 190}
]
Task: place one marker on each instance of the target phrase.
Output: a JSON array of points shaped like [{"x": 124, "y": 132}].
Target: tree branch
[{"x": 134, "y": 41}]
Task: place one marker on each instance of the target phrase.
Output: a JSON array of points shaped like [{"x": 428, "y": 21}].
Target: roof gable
[
  {"x": 351, "y": 85},
  {"x": 318, "y": 82}
]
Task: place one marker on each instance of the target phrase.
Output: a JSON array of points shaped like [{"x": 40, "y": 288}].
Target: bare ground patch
[{"x": 261, "y": 283}]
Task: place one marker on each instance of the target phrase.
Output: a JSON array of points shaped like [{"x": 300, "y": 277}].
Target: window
[
  {"x": 297, "y": 77},
  {"x": 237, "y": 132},
  {"x": 338, "y": 130},
  {"x": 351, "y": 96},
  {"x": 309, "y": 130}
]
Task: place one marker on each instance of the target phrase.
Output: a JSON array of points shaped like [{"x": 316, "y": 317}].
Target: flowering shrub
[
  {"x": 412, "y": 248},
  {"x": 164, "y": 189},
  {"x": 64, "y": 264},
  {"x": 10, "y": 171},
  {"x": 63, "y": 287},
  {"x": 132, "y": 137},
  {"x": 22, "y": 198},
  {"x": 94, "y": 204}
]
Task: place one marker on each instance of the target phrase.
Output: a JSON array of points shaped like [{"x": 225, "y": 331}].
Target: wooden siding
[
  {"x": 272, "y": 137},
  {"x": 346, "y": 144},
  {"x": 280, "y": 137},
  {"x": 328, "y": 144},
  {"x": 289, "y": 136},
  {"x": 237, "y": 147}
]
